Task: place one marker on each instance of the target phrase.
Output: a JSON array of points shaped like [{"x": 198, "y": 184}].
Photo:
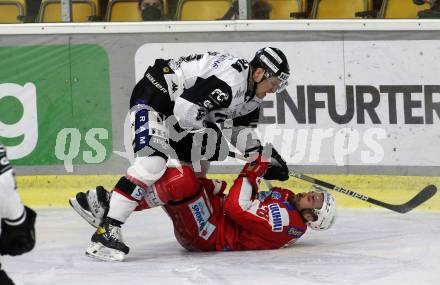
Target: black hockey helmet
[{"x": 275, "y": 64}]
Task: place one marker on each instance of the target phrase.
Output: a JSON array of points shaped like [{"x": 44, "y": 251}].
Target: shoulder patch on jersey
[
  {"x": 262, "y": 195},
  {"x": 276, "y": 195},
  {"x": 295, "y": 232}
]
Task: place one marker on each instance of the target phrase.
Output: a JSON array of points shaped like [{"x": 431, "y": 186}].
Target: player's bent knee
[
  {"x": 178, "y": 184},
  {"x": 147, "y": 170}
]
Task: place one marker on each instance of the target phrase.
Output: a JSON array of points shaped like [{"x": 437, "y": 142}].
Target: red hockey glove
[{"x": 254, "y": 170}]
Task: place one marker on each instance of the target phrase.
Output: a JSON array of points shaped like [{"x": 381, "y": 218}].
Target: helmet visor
[{"x": 279, "y": 82}]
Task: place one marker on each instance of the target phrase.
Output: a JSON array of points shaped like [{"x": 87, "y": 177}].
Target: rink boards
[
  {"x": 54, "y": 191},
  {"x": 363, "y": 97}
]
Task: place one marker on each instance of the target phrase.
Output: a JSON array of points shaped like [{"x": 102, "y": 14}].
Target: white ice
[{"x": 368, "y": 246}]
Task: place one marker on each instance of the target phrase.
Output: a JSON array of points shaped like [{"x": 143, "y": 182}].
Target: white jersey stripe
[
  {"x": 273, "y": 54},
  {"x": 269, "y": 63}
]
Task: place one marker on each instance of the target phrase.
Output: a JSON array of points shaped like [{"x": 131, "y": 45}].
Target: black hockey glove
[
  {"x": 277, "y": 167},
  {"x": 16, "y": 240}
]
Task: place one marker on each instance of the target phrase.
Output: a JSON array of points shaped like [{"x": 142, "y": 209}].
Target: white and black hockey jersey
[
  {"x": 11, "y": 208},
  {"x": 211, "y": 87}
]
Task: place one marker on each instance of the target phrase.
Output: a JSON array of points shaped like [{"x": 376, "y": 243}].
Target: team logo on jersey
[
  {"x": 295, "y": 232},
  {"x": 275, "y": 217},
  {"x": 219, "y": 96},
  {"x": 276, "y": 195},
  {"x": 172, "y": 86}
]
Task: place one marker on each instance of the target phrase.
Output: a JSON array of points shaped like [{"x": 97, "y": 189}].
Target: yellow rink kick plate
[{"x": 55, "y": 190}]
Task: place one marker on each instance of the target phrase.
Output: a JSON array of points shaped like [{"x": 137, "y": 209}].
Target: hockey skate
[
  {"x": 92, "y": 206},
  {"x": 107, "y": 243}
]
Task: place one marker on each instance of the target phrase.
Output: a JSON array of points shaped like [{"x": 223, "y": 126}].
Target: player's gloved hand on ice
[
  {"x": 254, "y": 170},
  {"x": 278, "y": 169},
  {"x": 18, "y": 239}
]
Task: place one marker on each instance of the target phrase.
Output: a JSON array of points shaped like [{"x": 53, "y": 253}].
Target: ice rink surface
[{"x": 368, "y": 246}]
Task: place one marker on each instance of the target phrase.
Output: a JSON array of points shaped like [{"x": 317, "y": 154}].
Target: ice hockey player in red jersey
[
  {"x": 174, "y": 106},
  {"x": 205, "y": 219},
  {"x": 17, "y": 233},
  {"x": 246, "y": 219}
]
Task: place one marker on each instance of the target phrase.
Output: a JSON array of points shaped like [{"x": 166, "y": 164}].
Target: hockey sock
[{"x": 125, "y": 198}]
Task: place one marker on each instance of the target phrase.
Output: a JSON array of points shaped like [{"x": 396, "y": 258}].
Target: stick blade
[{"x": 417, "y": 200}]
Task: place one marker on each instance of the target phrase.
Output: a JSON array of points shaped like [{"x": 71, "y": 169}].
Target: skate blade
[
  {"x": 94, "y": 222},
  {"x": 98, "y": 251}
]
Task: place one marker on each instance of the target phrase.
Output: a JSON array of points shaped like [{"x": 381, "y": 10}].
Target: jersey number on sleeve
[
  {"x": 240, "y": 65},
  {"x": 263, "y": 212}
]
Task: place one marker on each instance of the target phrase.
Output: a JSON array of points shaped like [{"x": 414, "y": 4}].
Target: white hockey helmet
[{"x": 327, "y": 214}]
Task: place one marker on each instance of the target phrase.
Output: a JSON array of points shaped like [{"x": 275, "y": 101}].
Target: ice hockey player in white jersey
[
  {"x": 17, "y": 233},
  {"x": 174, "y": 110}
]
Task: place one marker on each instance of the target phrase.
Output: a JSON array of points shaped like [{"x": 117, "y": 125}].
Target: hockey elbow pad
[{"x": 18, "y": 239}]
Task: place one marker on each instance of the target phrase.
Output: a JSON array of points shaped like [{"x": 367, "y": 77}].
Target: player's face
[
  {"x": 269, "y": 85},
  {"x": 308, "y": 215},
  {"x": 310, "y": 200}
]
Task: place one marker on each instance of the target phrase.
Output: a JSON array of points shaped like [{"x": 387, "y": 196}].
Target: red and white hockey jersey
[{"x": 262, "y": 221}]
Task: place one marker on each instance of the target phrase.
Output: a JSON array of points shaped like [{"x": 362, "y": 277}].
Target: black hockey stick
[{"x": 416, "y": 201}]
